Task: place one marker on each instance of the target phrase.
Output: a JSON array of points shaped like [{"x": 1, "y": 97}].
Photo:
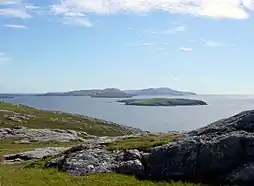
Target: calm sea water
[{"x": 156, "y": 119}]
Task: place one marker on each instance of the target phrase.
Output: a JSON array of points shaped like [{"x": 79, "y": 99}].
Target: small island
[{"x": 162, "y": 102}]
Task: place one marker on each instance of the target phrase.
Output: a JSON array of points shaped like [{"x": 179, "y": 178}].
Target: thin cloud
[
  {"x": 79, "y": 21},
  {"x": 9, "y": 2},
  {"x": 18, "y": 13},
  {"x": 15, "y": 26},
  {"x": 192, "y": 41},
  {"x": 4, "y": 58},
  {"x": 175, "y": 30},
  {"x": 17, "y": 9},
  {"x": 234, "y": 9},
  {"x": 186, "y": 49},
  {"x": 145, "y": 44},
  {"x": 217, "y": 44}
]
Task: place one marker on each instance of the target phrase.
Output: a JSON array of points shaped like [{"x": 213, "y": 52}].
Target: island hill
[
  {"x": 116, "y": 93},
  {"x": 162, "y": 102}
]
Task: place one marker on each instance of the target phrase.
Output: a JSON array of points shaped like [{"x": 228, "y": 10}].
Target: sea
[{"x": 154, "y": 119}]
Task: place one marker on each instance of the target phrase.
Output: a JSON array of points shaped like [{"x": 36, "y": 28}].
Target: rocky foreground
[{"x": 220, "y": 153}]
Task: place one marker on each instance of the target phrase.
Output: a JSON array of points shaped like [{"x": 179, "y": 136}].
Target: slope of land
[
  {"x": 20, "y": 115},
  {"x": 162, "y": 102}
]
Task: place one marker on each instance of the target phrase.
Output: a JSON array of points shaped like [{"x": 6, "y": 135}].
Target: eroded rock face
[
  {"x": 222, "y": 152},
  {"x": 201, "y": 158}
]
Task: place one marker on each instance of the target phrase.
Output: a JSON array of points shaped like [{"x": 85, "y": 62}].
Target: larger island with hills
[
  {"x": 117, "y": 93},
  {"x": 110, "y": 93}
]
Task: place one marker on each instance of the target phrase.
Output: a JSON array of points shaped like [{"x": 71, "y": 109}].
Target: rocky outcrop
[
  {"x": 27, "y": 135},
  {"x": 221, "y": 153},
  {"x": 86, "y": 159}
]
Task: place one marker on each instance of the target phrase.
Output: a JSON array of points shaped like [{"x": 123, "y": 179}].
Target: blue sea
[{"x": 155, "y": 119}]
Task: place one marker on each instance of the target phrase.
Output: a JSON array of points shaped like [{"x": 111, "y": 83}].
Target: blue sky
[{"x": 202, "y": 46}]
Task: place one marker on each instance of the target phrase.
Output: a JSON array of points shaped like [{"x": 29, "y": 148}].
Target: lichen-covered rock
[
  {"x": 87, "y": 159},
  {"x": 132, "y": 167}
]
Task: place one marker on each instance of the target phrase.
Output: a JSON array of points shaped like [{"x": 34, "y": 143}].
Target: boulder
[{"x": 86, "y": 159}]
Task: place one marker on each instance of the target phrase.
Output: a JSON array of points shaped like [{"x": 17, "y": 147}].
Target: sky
[{"x": 204, "y": 46}]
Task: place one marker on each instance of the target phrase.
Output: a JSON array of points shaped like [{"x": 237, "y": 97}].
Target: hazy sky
[{"x": 205, "y": 46}]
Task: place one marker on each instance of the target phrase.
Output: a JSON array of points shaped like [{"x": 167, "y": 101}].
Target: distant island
[
  {"x": 162, "y": 102},
  {"x": 95, "y": 93},
  {"x": 3, "y": 96},
  {"x": 117, "y": 93}
]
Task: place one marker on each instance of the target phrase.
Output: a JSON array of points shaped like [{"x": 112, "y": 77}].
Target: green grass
[
  {"x": 54, "y": 120},
  {"x": 144, "y": 143},
  {"x": 16, "y": 175}
]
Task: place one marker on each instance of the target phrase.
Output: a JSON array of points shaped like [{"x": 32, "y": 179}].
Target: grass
[
  {"x": 54, "y": 120},
  {"x": 144, "y": 143},
  {"x": 16, "y": 175}
]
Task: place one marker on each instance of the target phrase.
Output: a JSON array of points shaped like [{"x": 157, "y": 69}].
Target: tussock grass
[{"x": 143, "y": 143}]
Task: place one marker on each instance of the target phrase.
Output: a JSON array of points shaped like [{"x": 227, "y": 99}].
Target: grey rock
[
  {"x": 89, "y": 161},
  {"x": 132, "y": 167},
  {"x": 242, "y": 176},
  {"x": 129, "y": 155},
  {"x": 86, "y": 159},
  {"x": 23, "y": 141},
  {"x": 38, "y": 153},
  {"x": 201, "y": 158}
]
